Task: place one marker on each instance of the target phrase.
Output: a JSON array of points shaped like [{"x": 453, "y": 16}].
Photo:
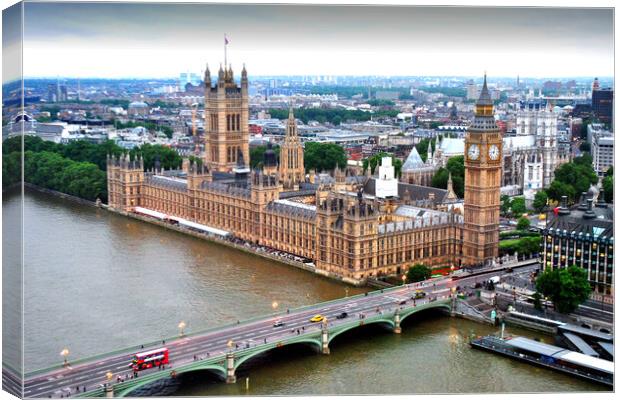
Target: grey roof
[
  {"x": 416, "y": 192},
  {"x": 586, "y": 332},
  {"x": 608, "y": 347},
  {"x": 287, "y": 207},
  {"x": 297, "y": 193},
  {"x": 580, "y": 344},
  {"x": 600, "y": 227},
  {"x": 167, "y": 182},
  {"x": 413, "y": 161},
  {"x": 537, "y": 347}
]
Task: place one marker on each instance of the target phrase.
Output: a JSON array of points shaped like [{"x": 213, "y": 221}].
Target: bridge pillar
[
  {"x": 397, "y": 322},
  {"x": 324, "y": 338},
  {"x": 230, "y": 368},
  {"x": 108, "y": 389}
]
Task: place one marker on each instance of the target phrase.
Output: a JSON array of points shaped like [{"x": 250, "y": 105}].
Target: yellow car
[{"x": 317, "y": 318}]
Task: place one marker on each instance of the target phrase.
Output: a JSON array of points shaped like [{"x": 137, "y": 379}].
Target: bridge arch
[
  {"x": 416, "y": 310},
  {"x": 242, "y": 359},
  {"x": 126, "y": 391},
  {"x": 384, "y": 321}
]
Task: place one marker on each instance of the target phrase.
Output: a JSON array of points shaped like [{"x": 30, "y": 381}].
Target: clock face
[
  {"x": 494, "y": 152},
  {"x": 473, "y": 152}
]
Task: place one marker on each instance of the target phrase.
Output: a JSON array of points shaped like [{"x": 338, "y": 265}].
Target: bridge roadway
[{"x": 253, "y": 337}]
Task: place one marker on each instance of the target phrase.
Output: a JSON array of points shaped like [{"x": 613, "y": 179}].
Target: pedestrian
[
  {"x": 77, "y": 388},
  {"x": 303, "y": 328},
  {"x": 265, "y": 340},
  {"x": 84, "y": 389},
  {"x": 288, "y": 311},
  {"x": 163, "y": 341},
  {"x": 141, "y": 346},
  {"x": 207, "y": 354}
]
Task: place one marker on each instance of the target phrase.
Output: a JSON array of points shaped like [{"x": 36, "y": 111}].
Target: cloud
[{"x": 319, "y": 39}]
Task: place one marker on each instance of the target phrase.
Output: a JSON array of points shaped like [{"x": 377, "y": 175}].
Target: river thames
[{"x": 96, "y": 281}]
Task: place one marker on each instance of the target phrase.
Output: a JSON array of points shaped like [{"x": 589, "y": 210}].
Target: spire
[
  {"x": 244, "y": 73},
  {"x": 207, "y": 77},
  {"x": 485, "y": 97},
  {"x": 451, "y": 195}
]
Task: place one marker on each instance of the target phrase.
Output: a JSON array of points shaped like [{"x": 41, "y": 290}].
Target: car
[
  {"x": 278, "y": 323},
  {"x": 342, "y": 315},
  {"x": 419, "y": 294},
  {"x": 402, "y": 302},
  {"x": 317, "y": 318}
]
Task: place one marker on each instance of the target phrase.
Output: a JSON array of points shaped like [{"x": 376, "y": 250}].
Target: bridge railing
[{"x": 201, "y": 332}]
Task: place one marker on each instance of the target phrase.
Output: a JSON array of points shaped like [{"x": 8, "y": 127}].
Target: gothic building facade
[
  {"x": 533, "y": 153},
  {"x": 347, "y": 227}
]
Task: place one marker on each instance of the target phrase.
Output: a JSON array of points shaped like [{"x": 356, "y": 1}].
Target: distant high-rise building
[
  {"x": 602, "y": 102},
  {"x": 472, "y": 90}
]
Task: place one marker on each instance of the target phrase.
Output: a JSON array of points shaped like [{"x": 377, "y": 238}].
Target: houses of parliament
[{"x": 350, "y": 227}]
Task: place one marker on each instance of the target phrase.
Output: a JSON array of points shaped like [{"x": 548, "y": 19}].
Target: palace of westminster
[{"x": 351, "y": 226}]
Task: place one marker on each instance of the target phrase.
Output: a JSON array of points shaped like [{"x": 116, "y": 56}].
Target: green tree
[
  {"x": 324, "y": 156},
  {"x": 537, "y": 301},
  {"x": 585, "y": 147},
  {"x": 566, "y": 287},
  {"x": 374, "y": 161},
  {"x": 523, "y": 224},
  {"x": 422, "y": 147},
  {"x": 257, "y": 154},
  {"x": 540, "y": 201},
  {"x": 504, "y": 204},
  {"x": 517, "y": 206},
  {"x": 455, "y": 166},
  {"x": 608, "y": 186},
  {"x": 558, "y": 189},
  {"x": 168, "y": 158},
  {"x": 418, "y": 273}
]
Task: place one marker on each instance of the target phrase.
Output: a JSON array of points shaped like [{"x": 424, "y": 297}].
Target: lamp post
[
  {"x": 109, "y": 375},
  {"x": 404, "y": 278},
  {"x": 274, "y": 305},
  {"x": 182, "y": 326},
  {"x": 64, "y": 353},
  {"x": 230, "y": 345},
  {"x": 346, "y": 292}
]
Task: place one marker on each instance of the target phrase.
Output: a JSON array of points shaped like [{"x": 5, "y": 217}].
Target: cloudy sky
[{"x": 161, "y": 40}]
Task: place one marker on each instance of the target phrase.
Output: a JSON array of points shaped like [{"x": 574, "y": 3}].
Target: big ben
[{"x": 483, "y": 157}]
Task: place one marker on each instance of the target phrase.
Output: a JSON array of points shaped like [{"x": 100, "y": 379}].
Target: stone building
[
  {"x": 349, "y": 227},
  {"x": 292, "y": 171}
]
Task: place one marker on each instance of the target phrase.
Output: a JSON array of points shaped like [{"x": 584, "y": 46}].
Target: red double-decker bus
[{"x": 149, "y": 359}]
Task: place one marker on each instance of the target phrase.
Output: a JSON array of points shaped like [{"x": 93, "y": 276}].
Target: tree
[
  {"x": 374, "y": 161},
  {"x": 540, "y": 201},
  {"x": 422, "y": 147},
  {"x": 257, "y": 155},
  {"x": 575, "y": 177},
  {"x": 418, "y": 272},
  {"x": 558, "y": 189},
  {"x": 523, "y": 224},
  {"x": 608, "y": 186},
  {"x": 566, "y": 287},
  {"x": 168, "y": 158},
  {"x": 517, "y": 206},
  {"x": 455, "y": 166},
  {"x": 537, "y": 303},
  {"x": 505, "y": 204},
  {"x": 324, "y": 156}
]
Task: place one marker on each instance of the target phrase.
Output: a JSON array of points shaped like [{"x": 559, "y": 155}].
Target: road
[{"x": 91, "y": 375}]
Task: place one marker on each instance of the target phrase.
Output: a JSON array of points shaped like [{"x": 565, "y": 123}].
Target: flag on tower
[{"x": 226, "y": 41}]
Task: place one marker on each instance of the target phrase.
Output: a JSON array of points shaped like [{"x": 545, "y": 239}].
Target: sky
[{"x": 113, "y": 40}]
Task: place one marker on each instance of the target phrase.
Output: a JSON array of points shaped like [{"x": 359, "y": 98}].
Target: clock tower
[{"x": 483, "y": 158}]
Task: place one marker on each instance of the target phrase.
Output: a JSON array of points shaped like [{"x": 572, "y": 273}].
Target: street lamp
[
  {"x": 109, "y": 375},
  {"x": 404, "y": 278},
  {"x": 64, "y": 353},
  {"x": 346, "y": 292},
  {"x": 182, "y": 326},
  {"x": 230, "y": 344},
  {"x": 274, "y": 305}
]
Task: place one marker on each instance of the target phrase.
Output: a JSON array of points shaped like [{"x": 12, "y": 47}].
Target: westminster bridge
[{"x": 224, "y": 349}]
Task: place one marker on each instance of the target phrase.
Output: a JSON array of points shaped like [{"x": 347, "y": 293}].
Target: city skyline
[{"x": 161, "y": 40}]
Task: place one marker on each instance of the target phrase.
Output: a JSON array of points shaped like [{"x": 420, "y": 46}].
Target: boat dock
[{"x": 550, "y": 357}]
